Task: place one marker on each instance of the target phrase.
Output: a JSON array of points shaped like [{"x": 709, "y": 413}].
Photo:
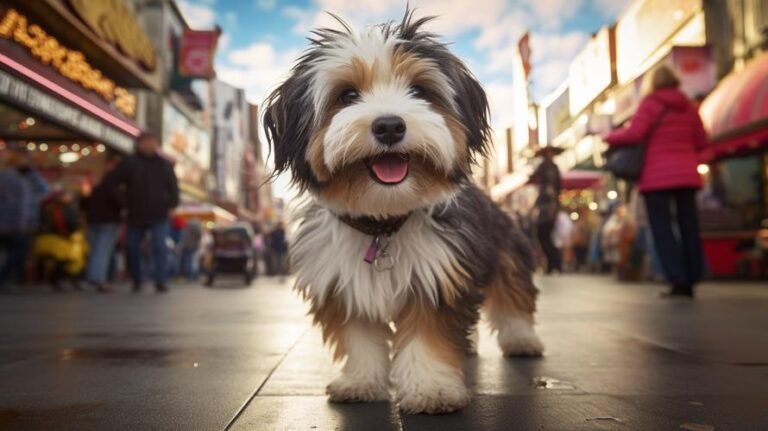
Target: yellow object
[{"x": 70, "y": 249}]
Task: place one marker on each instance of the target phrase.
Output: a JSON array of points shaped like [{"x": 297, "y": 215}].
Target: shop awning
[
  {"x": 577, "y": 179},
  {"x": 736, "y": 113}
]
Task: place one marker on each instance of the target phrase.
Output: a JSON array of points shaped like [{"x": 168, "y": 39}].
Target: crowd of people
[{"x": 49, "y": 234}]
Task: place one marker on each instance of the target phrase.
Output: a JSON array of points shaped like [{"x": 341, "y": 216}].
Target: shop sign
[
  {"x": 117, "y": 25},
  {"x": 196, "y": 53},
  {"x": 69, "y": 63},
  {"x": 696, "y": 69},
  {"x": 644, "y": 27},
  {"x": 188, "y": 144},
  {"x": 590, "y": 72},
  {"x": 29, "y": 97},
  {"x": 230, "y": 118},
  {"x": 558, "y": 115}
]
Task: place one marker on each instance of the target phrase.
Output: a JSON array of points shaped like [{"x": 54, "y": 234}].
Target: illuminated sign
[
  {"x": 117, "y": 25},
  {"x": 69, "y": 63},
  {"x": 590, "y": 72},
  {"x": 20, "y": 92}
]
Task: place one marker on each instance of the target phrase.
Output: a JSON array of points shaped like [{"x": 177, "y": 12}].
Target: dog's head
[{"x": 378, "y": 123}]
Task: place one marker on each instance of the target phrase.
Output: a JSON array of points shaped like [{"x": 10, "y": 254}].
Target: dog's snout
[{"x": 388, "y": 130}]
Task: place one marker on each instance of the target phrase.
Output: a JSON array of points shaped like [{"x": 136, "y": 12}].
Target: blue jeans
[
  {"x": 675, "y": 227},
  {"x": 189, "y": 263},
  {"x": 101, "y": 240},
  {"x": 16, "y": 247},
  {"x": 135, "y": 236}
]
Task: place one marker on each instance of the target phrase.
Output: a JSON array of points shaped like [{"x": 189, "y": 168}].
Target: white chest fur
[{"x": 328, "y": 258}]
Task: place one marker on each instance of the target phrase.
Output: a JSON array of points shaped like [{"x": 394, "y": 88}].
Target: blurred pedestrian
[
  {"x": 22, "y": 189},
  {"x": 668, "y": 124},
  {"x": 60, "y": 247},
  {"x": 151, "y": 193},
  {"x": 103, "y": 212},
  {"x": 189, "y": 247},
  {"x": 259, "y": 246},
  {"x": 279, "y": 248},
  {"x": 563, "y": 239},
  {"x": 547, "y": 178}
]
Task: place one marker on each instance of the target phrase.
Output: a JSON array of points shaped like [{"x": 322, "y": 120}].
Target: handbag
[{"x": 626, "y": 161}]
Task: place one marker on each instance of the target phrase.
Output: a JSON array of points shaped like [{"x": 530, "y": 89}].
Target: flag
[
  {"x": 196, "y": 52},
  {"x": 524, "y": 49}
]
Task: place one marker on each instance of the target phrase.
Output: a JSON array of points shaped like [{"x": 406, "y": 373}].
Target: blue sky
[{"x": 262, "y": 38}]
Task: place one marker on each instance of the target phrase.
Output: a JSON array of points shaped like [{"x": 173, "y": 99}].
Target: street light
[
  {"x": 612, "y": 195},
  {"x": 703, "y": 169}
]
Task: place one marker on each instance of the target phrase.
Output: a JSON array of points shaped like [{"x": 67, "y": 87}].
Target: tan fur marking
[
  {"x": 332, "y": 319},
  {"x": 425, "y": 322},
  {"x": 505, "y": 297}
]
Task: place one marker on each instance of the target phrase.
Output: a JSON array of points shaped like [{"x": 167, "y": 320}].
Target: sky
[{"x": 262, "y": 38}]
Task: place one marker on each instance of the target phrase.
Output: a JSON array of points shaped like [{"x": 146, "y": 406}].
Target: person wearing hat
[
  {"x": 151, "y": 193},
  {"x": 547, "y": 178}
]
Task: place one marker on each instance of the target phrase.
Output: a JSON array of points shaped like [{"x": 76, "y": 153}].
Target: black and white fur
[{"x": 456, "y": 250}]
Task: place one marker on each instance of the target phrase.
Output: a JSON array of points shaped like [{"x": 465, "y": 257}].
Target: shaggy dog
[{"x": 394, "y": 247}]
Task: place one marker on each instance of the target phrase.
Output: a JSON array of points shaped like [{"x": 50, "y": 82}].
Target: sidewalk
[{"x": 617, "y": 358}]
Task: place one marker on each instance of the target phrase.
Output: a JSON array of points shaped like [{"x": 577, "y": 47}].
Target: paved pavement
[{"x": 617, "y": 358}]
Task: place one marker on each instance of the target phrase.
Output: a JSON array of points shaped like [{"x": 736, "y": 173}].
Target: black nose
[{"x": 388, "y": 130}]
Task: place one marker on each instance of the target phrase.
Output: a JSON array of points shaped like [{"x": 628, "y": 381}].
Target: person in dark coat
[
  {"x": 151, "y": 193},
  {"x": 279, "y": 247},
  {"x": 547, "y": 178},
  {"x": 103, "y": 212},
  {"x": 671, "y": 128}
]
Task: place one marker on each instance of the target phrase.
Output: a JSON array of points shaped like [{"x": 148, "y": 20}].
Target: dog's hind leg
[{"x": 509, "y": 305}]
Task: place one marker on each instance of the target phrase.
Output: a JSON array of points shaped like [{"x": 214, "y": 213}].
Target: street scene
[{"x": 291, "y": 215}]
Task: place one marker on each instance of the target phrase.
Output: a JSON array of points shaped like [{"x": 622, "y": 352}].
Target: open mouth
[{"x": 389, "y": 168}]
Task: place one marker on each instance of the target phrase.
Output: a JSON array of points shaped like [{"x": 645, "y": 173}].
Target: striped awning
[{"x": 735, "y": 114}]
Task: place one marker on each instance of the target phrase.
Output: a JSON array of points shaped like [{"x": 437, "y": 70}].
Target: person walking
[
  {"x": 279, "y": 247},
  {"x": 103, "y": 212},
  {"x": 669, "y": 126},
  {"x": 22, "y": 190},
  {"x": 547, "y": 177},
  {"x": 189, "y": 246},
  {"x": 151, "y": 193}
]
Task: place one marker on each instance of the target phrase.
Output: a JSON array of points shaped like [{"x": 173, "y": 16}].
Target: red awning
[
  {"x": 581, "y": 179},
  {"x": 736, "y": 113}
]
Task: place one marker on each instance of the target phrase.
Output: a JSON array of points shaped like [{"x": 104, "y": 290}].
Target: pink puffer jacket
[{"x": 671, "y": 155}]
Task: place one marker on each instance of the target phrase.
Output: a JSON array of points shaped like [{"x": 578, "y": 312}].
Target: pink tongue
[{"x": 390, "y": 168}]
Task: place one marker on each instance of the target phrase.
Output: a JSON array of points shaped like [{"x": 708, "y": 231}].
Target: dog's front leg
[
  {"x": 365, "y": 375},
  {"x": 429, "y": 357}
]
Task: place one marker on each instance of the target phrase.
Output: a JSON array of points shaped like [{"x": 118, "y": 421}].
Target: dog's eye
[
  {"x": 418, "y": 92},
  {"x": 349, "y": 96}
]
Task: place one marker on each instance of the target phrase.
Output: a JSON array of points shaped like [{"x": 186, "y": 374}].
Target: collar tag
[{"x": 373, "y": 250}]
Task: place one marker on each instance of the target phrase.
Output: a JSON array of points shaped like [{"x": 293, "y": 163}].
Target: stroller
[{"x": 232, "y": 252}]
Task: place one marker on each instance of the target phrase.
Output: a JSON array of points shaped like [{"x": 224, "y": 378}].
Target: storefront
[
  {"x": 734, "y": 202},
  {"x": 68, "y": 75}
]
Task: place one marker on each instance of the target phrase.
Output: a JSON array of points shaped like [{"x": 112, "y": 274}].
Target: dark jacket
[
  {"x": 106, "y": 201},
  {"x": 547, "y": 177},
  {"x": 151, "y": 188},
  {"x": 671, "y": 154}
]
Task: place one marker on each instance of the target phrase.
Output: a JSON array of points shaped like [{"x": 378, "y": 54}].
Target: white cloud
[
  {"x": 552, "y": 13},
  {"x": 611, "y": 8},
  {"x": 199, "y": 16},
  {"x": 266, "y": 4},
  {"x": 257, "y": 68}
]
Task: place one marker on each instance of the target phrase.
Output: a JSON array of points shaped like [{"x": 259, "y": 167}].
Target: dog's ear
[
  {"x": 473, "y": 107},
  {"x": 288, "y": 121}
]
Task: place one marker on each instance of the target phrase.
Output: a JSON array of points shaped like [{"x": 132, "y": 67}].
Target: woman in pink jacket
[{"x": 669, "y": 125}]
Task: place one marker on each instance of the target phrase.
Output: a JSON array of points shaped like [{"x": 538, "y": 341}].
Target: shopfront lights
[
  {"x": 62, "y": 148},
  {"x": 69, "y": 157},
  {"x": 613, "y": 194},
  {"x": 101, "y": 148},
  {"x": 75, "y": 147},
  {"x": 703, "y": 169},
  {"x": 31, "y": 146},
  {"x": 30, "y": 121},
  {"x": 593, "y": 206},
  {"x": 574, "y": 216},
  {"x": 43, "y": 147},
  {"x": 86, "y": 151}
]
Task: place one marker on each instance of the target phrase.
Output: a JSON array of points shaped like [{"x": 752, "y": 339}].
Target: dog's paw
[
  {"x": 522, "y": 344},
  {"x": 434, "y": 400},
  {"x": 346, "y": 389}
]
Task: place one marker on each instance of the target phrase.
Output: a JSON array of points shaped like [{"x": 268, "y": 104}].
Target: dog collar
[{"x": 380, "y": 229}]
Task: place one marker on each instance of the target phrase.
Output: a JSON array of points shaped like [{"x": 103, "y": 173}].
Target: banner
[
  {"x": 196, "y": 52},
  {"x": 524, "y": 49}
]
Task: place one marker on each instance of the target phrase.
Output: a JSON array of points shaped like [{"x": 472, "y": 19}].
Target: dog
[{"x": 394, "y": 248}]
